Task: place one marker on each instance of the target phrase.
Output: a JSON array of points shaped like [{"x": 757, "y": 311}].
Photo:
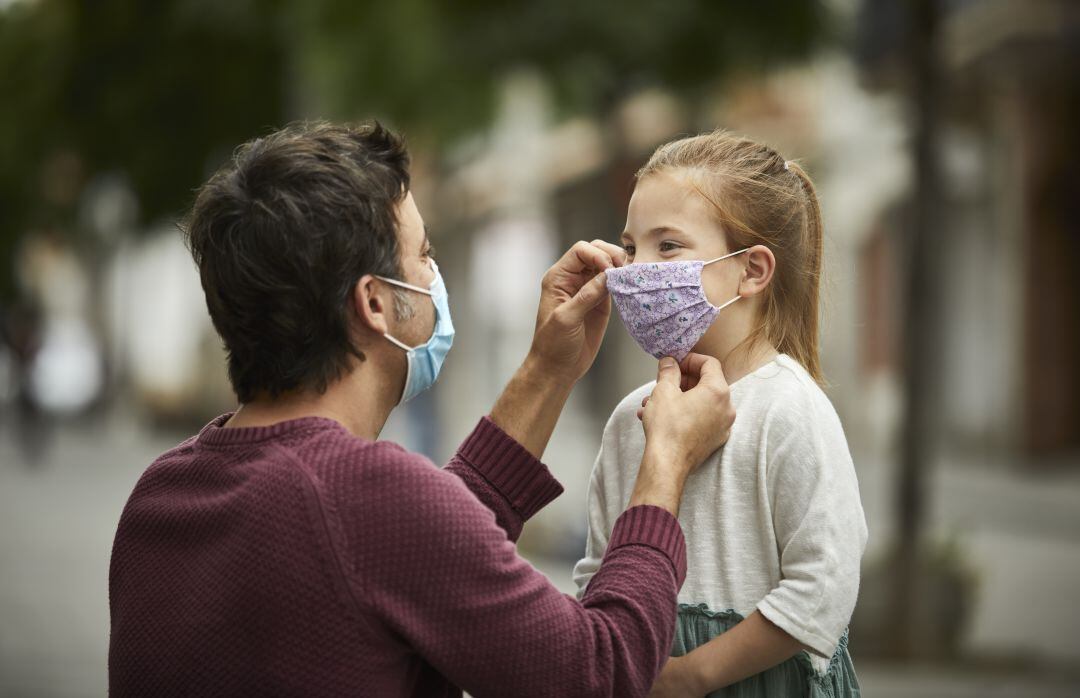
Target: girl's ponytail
[{"x": 802, "y": 309}]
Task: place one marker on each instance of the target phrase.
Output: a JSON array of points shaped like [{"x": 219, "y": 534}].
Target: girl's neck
[{"x": 743, "y": 358}]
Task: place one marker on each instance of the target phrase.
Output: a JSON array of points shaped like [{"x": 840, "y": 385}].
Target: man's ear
[
  {"x": 760, "y": 265},
  {"x": 372, "y": 303}
]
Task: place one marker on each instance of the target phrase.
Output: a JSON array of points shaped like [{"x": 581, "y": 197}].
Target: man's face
[{"x": 418, "y": 322}]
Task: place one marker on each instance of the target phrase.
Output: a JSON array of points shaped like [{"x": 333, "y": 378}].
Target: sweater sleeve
[
  {"x": 441, "y": 575},
  {"x": 503, "y": 475},
  {"x": 819, "y": 523}
]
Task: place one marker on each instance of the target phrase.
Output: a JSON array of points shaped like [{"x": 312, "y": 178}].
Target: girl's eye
[{"x": 668, "y": 246}]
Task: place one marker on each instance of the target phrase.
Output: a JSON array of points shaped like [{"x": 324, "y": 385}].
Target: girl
[{"x": 724, "y": 243}]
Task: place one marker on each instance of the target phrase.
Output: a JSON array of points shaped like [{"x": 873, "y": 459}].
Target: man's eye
[
  {"x": 430, "y": 251},
  {"x": 629, "y": 249}
]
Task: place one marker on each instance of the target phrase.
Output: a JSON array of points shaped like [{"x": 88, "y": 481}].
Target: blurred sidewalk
[
  {"x": 1019, "y": 531},
  {"x": 57, "y": 521}
]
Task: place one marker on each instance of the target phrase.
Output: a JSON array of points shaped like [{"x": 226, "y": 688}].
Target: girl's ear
[
  {"x": 371, "y": 302},
  {"x": 760, "y": 265}
]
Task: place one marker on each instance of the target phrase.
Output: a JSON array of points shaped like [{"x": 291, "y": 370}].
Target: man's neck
[{"x": 359, "y": 402}]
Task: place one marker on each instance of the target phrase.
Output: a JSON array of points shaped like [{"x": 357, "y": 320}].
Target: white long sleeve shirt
[{"x": 772, "y": 520}]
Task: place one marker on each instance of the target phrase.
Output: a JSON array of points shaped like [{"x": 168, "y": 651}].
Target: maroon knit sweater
[{"x": 297, "y": 559}]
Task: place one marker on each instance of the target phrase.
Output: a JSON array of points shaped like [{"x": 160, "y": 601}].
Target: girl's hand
[{"x": 676, "y": 681}]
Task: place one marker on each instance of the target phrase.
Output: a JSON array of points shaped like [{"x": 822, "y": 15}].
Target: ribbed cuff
[
  {"x": 525, "y": 482},
  {"x": 655, "y": 527}
]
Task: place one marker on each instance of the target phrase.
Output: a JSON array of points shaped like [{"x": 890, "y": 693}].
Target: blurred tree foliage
[
  {"x": 148, "y": 89},
  {"x": 161, "y": 91}
]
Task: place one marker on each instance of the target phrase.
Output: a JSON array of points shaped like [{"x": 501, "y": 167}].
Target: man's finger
[
  {"x": 617, "y": 254},
  {"x": 588, "y": 297},
  {"x": 692, "y": 363},
  {"x": 668, "y": 372},
  {"x": 710, "y": 373},
  {"x": 584, "y": 256}
]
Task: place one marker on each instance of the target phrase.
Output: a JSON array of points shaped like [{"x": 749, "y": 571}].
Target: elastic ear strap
[
  {"x": 398, "y": 342},
  {"x": 730, "y": 254},
  {"x": 404, "y": 285},
  {"x": 728, "y": 303}
]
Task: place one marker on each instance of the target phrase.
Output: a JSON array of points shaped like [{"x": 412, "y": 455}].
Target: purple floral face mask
[{"x": 663, "y": 304}]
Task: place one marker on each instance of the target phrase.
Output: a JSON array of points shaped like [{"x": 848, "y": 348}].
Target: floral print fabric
[{"x": 662, "y": 305}]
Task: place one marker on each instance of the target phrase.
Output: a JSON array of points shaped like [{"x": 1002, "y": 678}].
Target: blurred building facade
[{"x": 1008, "y": 114}]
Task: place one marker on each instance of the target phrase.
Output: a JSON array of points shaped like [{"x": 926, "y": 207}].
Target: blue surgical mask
[{"x": 426, "y": 360}]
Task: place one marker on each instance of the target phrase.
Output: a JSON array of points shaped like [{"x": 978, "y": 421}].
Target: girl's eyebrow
[{"x": 659, "y": 230}]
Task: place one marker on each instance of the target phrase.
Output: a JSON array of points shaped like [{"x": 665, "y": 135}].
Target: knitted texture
[{"x": 297, "y": 559}]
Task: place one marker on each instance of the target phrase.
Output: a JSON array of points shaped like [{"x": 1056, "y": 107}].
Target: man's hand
[
  {"x": 687, "y": 417},
  {"x": 689, "y": 412},
  {"x": 574, "y": 309}
]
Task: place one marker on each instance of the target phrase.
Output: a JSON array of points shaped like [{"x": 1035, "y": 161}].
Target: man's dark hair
[{"x": 281, "y": 235}]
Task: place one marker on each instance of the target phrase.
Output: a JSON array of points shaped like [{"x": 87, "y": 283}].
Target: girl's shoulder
[{"x": 783, "y": 391}]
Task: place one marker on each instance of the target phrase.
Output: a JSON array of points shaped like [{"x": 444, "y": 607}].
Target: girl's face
[{"x": 669, "y": 220}]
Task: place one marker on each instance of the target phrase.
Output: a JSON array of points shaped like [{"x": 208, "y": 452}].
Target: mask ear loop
[
  {"x": 398, "y": 342},
  {"x": 402, "y": 284},
  {"x": 721, "y": 307},
  {"x": 730, "y": 254}
]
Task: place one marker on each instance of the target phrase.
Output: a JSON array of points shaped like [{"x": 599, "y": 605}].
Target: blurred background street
[{"x": 942, "y": 136}]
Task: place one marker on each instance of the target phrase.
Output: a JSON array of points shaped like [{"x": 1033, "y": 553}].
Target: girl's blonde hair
[{"x": 761, "y": 199}]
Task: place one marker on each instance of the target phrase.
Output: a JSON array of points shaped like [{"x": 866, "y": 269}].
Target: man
[{"x": 284, "y": 551}]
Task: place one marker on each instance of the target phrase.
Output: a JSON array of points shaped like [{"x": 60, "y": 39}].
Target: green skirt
[{"x": 696, "y": 625}]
